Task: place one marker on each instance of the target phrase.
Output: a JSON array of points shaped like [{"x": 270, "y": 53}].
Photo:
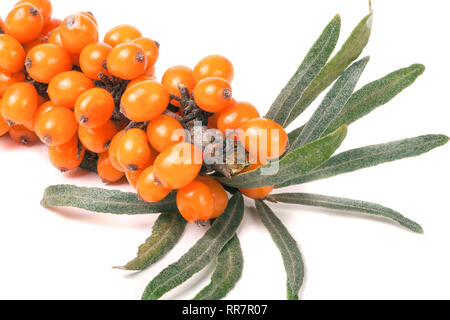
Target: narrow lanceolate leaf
[
  {"x": 314, "y": 61},
  {"x": 201, "y": 254},
  {"x": 369, "y": 156},
  {"x": 331, "y": 106},
  {"x": 103, "y": 200},
  {"x": 292, "y": 258},
  {"x": 316, "y": 200},
  {"x": 375, "y": 94},
  {"x": 166, "y": 232},
  {"x": 229, "y": 265},
  {"x": 295, "y": 163},
  {"x": 349, "y": 52}
]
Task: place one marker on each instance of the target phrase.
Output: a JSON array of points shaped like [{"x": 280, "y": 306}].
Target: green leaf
[
  {"x": 369, "y": 156},
  {"x": 331, "y": 106},
  {"x": 375, "y": 94},
  {"x": 349, "y": 52},
  {"x": 292, "y": 258},
  {"x": 316, "y": 200},
  {"x": 201, "y": 254},
  {"x": 166, "y": 232},
  {"x": 314, "y": 61},
  {"x": 229, "y": 265},
  {"x": 295, "y": 163},
  {"x": 103, "y": 200}
]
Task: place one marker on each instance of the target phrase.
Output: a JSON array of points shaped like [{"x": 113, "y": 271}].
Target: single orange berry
[
  {"x": 57, "y": 126},
  {"x": 144, "y": 101},
  {"x": 45, "y": 61},
  {"x": 44, "y": 6},
  {"x": 219, "y": 194},
  {"x": 65, "y": 88},
  {"x": 256, "y": 193},
  {"x": 195, "y": 202},
  {"x": 94, "y": 107},
  {"x": 127, "y": 61},
  {"x": 19, "y": 103},
  {"x": 12, "y": 54},
  {"x": 133, "y": 150},
  {"x": 112, "y": 150},
  {"x": 106, "y": 171},
  {"x": 77, "y": 31},
  {"x": 93, "y": 60},
  {"x": 164, "y": 131},
  {"x": 148, "y": 188},
  {"x": 97, "y": 139},
  {"x": 8, "y": 78},
  {"x": 178, "y": 76},
  {"x": 178, "y": 165},
  {"x": 263, "y": 138},
  {"x": 213, "y": 94},
  {"x": 235, "y": 115},
  {"x": 67, "y": 156},
  {"x": 22, "y": 135},
  {"x": 24, "y": 23},
  {"x": 151, "y": 49},
  {"x": 212, "y": 121},
  {"x": 121, "y": 34},
  {"x": 133, "y": 177},
  {"x": 51, "y": 25},
  {"x": 43, "y": 109},
  {"x": 214, "y": 66}
]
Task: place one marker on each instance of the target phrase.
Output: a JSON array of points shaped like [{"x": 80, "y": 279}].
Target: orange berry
[
  {"x": 106, "y": 171},
  {"x": 212, "y": 94},
  {"x": 256, "y": 193},
  {"x": 22, "y": 135},
  {"x": 144, "y": 101},
  {"x": 19, "y": 103},
  {"x": 178, "y": 76},
  {"x": 235, "y": 115},
  {"x": 133, "y": 177},
  {"x": 195, "y": 202},
  {"x": 212, "y": 121},
  {"x": 148, "y": 188},
  {"x": 178, "y": 165},
  {"x": 43, "y": 109},
  {"x": 45, "y": 61},
  {"x": 49, "y": 26},
  {"x": 164, "y": 131},
  {"x": 112, "y": 150},
  {"x": 65, "y": 88},
  {"x": 30, "y": 45},
  {"x": 93, "y": 59},
  {"x": 127, "y": 61},
  {"x": 24, "y": 23},
  {"x": 214, "y": 66},
  {"x": 90, "y": 15},
  {"x": 67, "y": 156},
  {"x": 263, "y": 138},
  {"x": 151, "y": 49},
  {"x": 77, "y": 31},
  {"x": 133, "y": 151},
  {"x": 94, "y": 107},
  {"x": 121, "y": 34},
  {"x": 57, "y": 126},
  {"x": 44, "y": 6},
  {"x": 55, "y": 37},
  {"x": 97, "y": 139},
  {"x": 8, "y": 78},
  {"x": 219, "y": 194},
  {"x": 12, "y": 54}
]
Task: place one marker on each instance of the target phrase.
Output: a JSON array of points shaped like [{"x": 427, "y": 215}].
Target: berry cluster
[{"x": 90, "y": 100}]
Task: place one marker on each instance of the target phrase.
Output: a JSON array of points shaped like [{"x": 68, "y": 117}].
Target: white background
[{"x": 68, "y": 253}]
